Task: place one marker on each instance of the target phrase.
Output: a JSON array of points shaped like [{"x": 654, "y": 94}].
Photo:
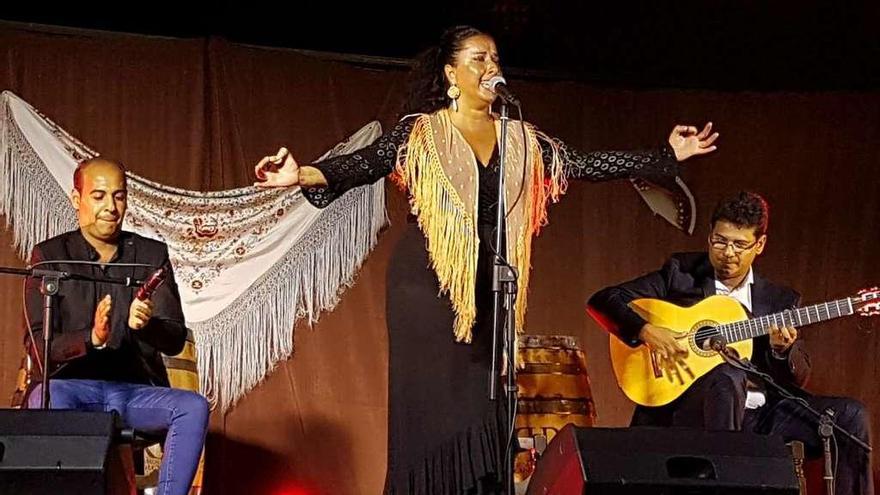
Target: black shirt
[{"x": 131, "y": 356}]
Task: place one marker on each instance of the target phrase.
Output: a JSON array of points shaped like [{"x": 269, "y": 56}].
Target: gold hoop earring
[{"x": 453, "y": 93}]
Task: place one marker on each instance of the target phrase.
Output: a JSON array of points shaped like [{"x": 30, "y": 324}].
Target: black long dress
[{"x": 445, "y": 436}]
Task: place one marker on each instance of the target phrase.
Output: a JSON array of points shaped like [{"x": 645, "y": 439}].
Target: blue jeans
[{"x": 180, "y": 413}]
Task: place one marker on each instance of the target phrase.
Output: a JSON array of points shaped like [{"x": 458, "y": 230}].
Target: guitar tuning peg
[{"x": 872, "y": 293}]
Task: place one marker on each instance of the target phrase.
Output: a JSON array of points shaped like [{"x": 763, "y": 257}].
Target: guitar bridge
[{"x": 658, "y": 371}]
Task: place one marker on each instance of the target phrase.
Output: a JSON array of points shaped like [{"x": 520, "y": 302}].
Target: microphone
[
  {"x": 717, "y": 343},
  {"x": 153, "y": 282},
  {"x": 498, "y": 85}
]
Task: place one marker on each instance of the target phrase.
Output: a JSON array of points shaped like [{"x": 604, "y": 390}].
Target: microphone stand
[
  {"x": 504, "y": 290},
  {"x": 826, "y": 426},
  {"x": 50, "y": 283}
]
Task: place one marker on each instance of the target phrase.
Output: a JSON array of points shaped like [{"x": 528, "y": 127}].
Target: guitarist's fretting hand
[
  {"x": 661, "y": 342},
  {"x": 781, "y": 339}
]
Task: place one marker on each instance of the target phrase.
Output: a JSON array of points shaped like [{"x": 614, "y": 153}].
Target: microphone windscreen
[{"x": 152, "y": 283}]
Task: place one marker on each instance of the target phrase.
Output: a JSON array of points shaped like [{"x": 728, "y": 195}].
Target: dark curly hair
[
  {"x": 745, "y": 210},
  {"x": 427, "y": 82}
]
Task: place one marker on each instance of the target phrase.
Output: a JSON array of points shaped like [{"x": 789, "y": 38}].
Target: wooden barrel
[
  {"x": 22, "y": 382},
  {"x": 183, "y": 373},
  {"x": 553, "y": 386},
  {"x": 554, "y": 390}
]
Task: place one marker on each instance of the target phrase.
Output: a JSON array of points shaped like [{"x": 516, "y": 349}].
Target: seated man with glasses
[{"x": 721, "y": 400}]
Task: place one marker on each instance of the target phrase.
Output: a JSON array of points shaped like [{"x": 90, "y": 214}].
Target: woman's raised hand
[
  {"x": 278, "y": 170},
  {"x": 687, "y": 142}
]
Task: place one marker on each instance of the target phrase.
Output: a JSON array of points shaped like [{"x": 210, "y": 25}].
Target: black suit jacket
[
  {"x": 685, "y": 279},
  {"x": 130, "y": 355}
]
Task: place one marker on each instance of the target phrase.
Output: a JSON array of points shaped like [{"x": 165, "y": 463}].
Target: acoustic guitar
[{"x": 714, "y": 321}]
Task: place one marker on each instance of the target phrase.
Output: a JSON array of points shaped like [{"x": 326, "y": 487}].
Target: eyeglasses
[{"x": 737, "y": 246}]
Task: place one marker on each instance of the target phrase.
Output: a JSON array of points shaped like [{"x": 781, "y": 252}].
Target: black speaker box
[
  {"x": 55, "y": 452},
  {"x": 663, "y": 461}
]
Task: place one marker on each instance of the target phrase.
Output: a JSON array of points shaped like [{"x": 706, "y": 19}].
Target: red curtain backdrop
[{"x": 199, "y": 113}]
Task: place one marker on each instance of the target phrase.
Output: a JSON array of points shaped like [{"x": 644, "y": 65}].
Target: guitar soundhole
[{"x": 701, "y": 338}]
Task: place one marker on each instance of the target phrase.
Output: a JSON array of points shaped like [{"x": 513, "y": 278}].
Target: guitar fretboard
[{"x": 755, "y": 327}]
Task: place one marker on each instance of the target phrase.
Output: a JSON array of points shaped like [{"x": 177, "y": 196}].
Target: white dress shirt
[{"x": 743, "y": 294}]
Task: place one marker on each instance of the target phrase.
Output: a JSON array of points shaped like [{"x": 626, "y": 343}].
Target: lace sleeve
[
  {"x": 597, "y": 166},
  {"x": 364, "y": 166}
]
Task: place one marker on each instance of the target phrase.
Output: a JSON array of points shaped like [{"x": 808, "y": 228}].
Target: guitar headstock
[{"x": 867, "y": 302}]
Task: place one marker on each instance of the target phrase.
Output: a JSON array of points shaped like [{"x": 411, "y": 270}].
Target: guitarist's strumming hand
[
  {"x": 661, "y": 342},
  {"x": 667, "y": 352},
  {"x": 781, "y": 339}
]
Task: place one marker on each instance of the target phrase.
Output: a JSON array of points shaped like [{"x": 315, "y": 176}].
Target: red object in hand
[{"x": 152, "y": 283}]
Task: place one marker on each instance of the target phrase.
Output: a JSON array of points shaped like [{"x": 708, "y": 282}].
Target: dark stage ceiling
[{"x": 727, "y": 45}]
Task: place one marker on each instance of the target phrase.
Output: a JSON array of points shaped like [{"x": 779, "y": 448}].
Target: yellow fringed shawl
[{"x": 439, "y": 170}]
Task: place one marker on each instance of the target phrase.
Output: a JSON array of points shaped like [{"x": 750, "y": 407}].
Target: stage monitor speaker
[
  {"x": 663, "y": 461},
  {"x": 56, "y": 452}
]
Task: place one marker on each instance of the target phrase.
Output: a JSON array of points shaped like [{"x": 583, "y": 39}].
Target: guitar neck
[{"x": 755, "y": 327}]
